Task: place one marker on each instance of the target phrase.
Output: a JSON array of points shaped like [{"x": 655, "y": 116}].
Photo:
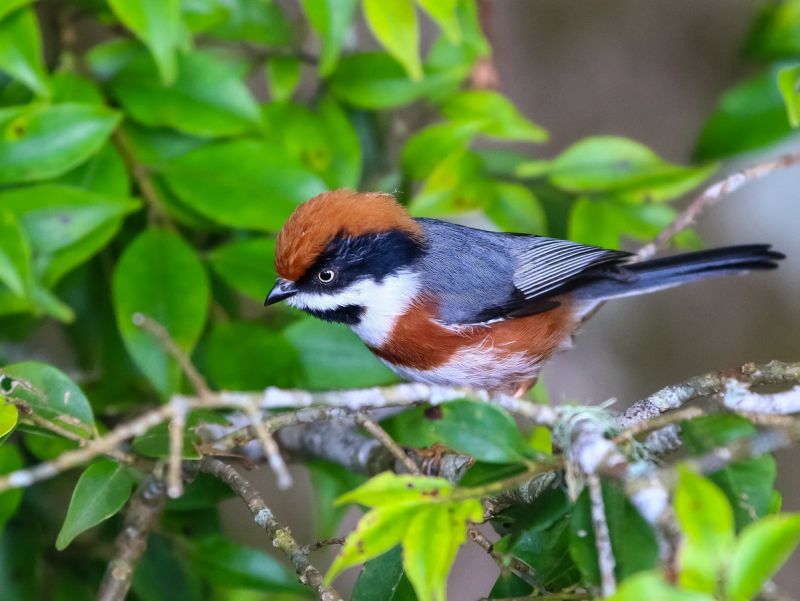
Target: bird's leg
[{"x": 523, "y": 388}]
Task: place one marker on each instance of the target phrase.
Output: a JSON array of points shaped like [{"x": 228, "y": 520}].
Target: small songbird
[{"x": 447, "y": 304}]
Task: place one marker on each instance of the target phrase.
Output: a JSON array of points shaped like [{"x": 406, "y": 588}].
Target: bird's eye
[{"x": 326, "y": 276}]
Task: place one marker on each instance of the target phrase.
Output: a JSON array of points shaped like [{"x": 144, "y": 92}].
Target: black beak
[{"x": 282, "y": 290}]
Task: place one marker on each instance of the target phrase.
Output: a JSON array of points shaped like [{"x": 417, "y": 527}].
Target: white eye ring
[{"x": 326, "y": 276}]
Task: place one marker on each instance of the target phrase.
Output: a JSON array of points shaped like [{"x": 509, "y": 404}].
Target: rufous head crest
[{"x": 316, "y": 222}]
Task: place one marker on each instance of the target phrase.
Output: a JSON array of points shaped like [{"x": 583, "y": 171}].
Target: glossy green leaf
[
  {"x": 606, "y": 222},
  {"x": 225, "y": 563},
  {"x": 333, "y": 357},
  {"x": 101, "y": 491},
  {"x": 10, "y": 6},
  {"x": 157, "y": 23},
  {"x": 9, "y": 415},
  {"x": 41, "y": 141},
  {"x": 632, "y": 539},
  {"x": 248, "y": 356},
  {"x": 514, "y": 208},
  {"x": 763, "y": 547},
  {"x": 246, "y": 265},
  {"x": 260, "y": 184},
  {"x": 429, "y": 146},
  {"x": 51, "y": 394},
  {"x": 10, "y": 461},
  {"x": 154, "y": 147},
  {"x": 105, "y": 173},
  {"x": 329, "y": 481},
  {"x": 68, "y": 86},
  {"x": 389, "y": 489},
  {"x": 202, "y": 15},
  {"x": 331, "y": 19},
  {"x": 160, "y": 276},
  {"x": 283, "y": 76},
  {"x": 162, "y": 574},
  {"x": 750, "y": 115},
  {"x": 377, "y": 531},
  {"x": 382, "y": 579},
  {"x": 464, "y": 425},
  {"x": 15, "y": 254},
  {"x": 21, "y": 50},
  {"x": 431, "y": 542},
  {"x": 497, "y": 115},
  {"x": 706, "y": 520},
  {"x": 444, "y": 12},
  {"x": 608, "y": 164},
  {"x": 375, "y": 81},
  {"x": 748, "y": 484},
  {"x": 394, "y": 24},
  {"x": 262, "y": 22},
  {"x": 789, "y": 85},
  {"x": 207, "y": 98},
  {"x": 775, "y": 32},
  {"x": 651, "y": 586},
  {"x": 455, "y": 186}
]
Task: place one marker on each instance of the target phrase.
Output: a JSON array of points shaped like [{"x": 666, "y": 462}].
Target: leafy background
[{"x": 218, "y": 100}]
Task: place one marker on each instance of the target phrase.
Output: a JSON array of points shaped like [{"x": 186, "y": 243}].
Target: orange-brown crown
[{"x": 316, "y": 222}]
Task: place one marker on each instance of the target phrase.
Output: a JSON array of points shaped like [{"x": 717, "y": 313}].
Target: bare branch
[
  {"x": 602, "y": 537},
  {"x": 279, "y": 534},
  {"x": 711, "y": 196},
  {"x": 141, "y": 515},
  {"x": 381, "y": 436}
]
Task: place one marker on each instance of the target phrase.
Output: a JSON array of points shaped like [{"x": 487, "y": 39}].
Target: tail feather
[{"x": 666, "y": 272}]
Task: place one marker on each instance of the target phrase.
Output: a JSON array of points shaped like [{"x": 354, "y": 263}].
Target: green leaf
[
  {"x": 382, "y": 579},
  {"x": 541, "y": 539},
  {"x": 260, "y": 184},
  {"x": 259, "y": 21},
  {"x": 248, "y": 356},
  {"x": 514, "y": 208},
  {"x": 10, "y": 461},
  {"x": 331, "y": 19},
  {"x": 9, "y": 415},
  {"x": 10, "y": 6},
  {"x": 41, "y": 141},
  {"x": 431, "y": 542},
  {"x": 51, "y": 395},
  {"x": 377, "y": 531},
  {"x": 207, "y": 98},
  {"x": 375, "y": 81},
  {"x": 763, "y": 547},
  {"x": 157, "y": 23},
  {"x": 750, "y": 115},
  {"x": 455, "y": 186},
  {"x": 333, "y": 357},
  {"x": 788, "y": 82},
  {"x": 706, "y": 520},
  {"x": 747, "y": 484},
  {"x": 389, "y": 489},
  {"x": 632, "y": 539},
  {"x": 329, "y": 481},
  {"x": 608, "y": 164},
  {"x": 65, "y": 225},
  {"x": 606, "y": 221},
  {"x": 651, "y": 586},
  {"x": 446, "y": 16},
  {"x": 105, "y": 173},
  {"x": 394, "y": 24},
  {"x": 464, "y": 425},
  {"x": 21, "y": 49},
  {"x": 101, "y": 491},
  {"x": 246, "y": 265},
  {"x": 160, "y": 276},
  {"x": 162, "y": 575},
  {"x": 775, "y": 32},
  {"x": 497, "y": 115},
  {"x": 283, "y": 76},
  {"x": 225, "y": 563},
  {"x": 15, "y": 254},
  {"x": 202, "y": 15},
  {"x": 426, "y": 148}
]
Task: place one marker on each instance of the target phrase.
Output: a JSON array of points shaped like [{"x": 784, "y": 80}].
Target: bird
[{"x": 446, "y": 304}]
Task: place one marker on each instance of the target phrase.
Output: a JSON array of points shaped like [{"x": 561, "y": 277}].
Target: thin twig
[
  {"x": 271, "y": 450},
  {"x": 141, "y": 176},
  {"x": 602, "y": 538},
  {"x": 383, "y": 437},
  {"x": 711, "y": 196},
  {"x": 141, "y": 515},
  {"x": 279, "y": 534}
]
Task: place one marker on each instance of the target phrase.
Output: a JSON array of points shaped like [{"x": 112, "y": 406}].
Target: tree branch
[{"x": 279, "y": 534}]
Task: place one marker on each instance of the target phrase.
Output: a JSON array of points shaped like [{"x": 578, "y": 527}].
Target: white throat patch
[{"x": 383, "y": 303}]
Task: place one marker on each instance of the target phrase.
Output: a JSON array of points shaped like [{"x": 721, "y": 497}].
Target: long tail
[{"x": 649, "y": 276}]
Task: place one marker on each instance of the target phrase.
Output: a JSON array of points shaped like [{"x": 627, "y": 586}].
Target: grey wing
[{"x": 482, "y": 276}]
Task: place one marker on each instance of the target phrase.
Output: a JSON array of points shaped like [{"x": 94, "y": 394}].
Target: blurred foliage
[{"x": 149, "y": 152}]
